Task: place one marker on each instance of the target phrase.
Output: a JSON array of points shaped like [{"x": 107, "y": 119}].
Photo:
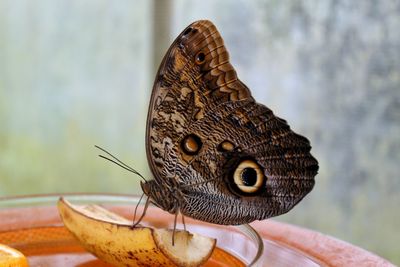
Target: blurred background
[{"x": 74, "y": 74}]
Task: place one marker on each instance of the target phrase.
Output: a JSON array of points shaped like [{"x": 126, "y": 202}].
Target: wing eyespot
[
  {"x": 226, "y": 146},
  {"x": 187, "y": 31},
  {"x": 248, "y": 177},
  {"x": 200, "y": 58},
  {"x": 191, "y": 144}
]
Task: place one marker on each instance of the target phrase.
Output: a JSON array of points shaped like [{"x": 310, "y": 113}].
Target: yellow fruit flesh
[{"x": 10, "y": 257}]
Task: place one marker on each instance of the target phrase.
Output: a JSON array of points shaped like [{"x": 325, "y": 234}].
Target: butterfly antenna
[{"x": 118, "y": 162}]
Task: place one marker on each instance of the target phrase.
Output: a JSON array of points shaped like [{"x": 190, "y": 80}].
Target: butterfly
[{"x": 216, "y": 154}]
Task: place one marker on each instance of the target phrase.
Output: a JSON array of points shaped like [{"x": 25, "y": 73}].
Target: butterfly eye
[
  {"x": 200, "y": 58},
  {"x": 248, "y": 176}
]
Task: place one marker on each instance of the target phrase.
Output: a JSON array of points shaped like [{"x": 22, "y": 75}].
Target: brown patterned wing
[
  {"x": 195, "y": 77},
  {"x": 216, "y": 154}
]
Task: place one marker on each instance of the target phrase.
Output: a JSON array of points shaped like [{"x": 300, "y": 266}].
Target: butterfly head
[{"x": 162, "y": 196}]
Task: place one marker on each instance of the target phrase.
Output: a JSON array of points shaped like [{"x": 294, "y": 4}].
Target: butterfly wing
[
  {"x": 195, "y": 77},
  {"x": 215, "y": 153},
  {"x": 252, "y": 166}
]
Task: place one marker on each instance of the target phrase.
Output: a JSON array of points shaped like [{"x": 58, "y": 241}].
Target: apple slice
[{"x": 111, "y": 238}]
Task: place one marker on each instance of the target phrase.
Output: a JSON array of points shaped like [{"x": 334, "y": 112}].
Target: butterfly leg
[
  {"x": 146, "y": 205},
  {"x": 137, "y": 205},
  {"x": 183, "y": 222},
  {"x": 173, "y": 233}
]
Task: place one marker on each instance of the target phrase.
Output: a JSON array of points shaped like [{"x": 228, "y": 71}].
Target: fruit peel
[{"x": 111, "y": 238}]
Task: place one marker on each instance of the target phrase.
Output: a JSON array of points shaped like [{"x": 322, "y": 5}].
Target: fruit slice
[
  {"x": 10, "y": 257},
  {"x": 111, "y": 238}
]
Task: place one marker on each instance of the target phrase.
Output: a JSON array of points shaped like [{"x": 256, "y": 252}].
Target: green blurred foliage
[
  {"x": 74, "y": 74},
  {"x": 66, "y": 69}
]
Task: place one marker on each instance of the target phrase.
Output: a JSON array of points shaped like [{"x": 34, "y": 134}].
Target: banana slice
[
  {"x": 10, "y": 257},
  {"x": 111, "y": 238}
]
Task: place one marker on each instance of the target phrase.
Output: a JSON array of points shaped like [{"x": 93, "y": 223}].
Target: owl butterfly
[{"x": 216, "y": 154}]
